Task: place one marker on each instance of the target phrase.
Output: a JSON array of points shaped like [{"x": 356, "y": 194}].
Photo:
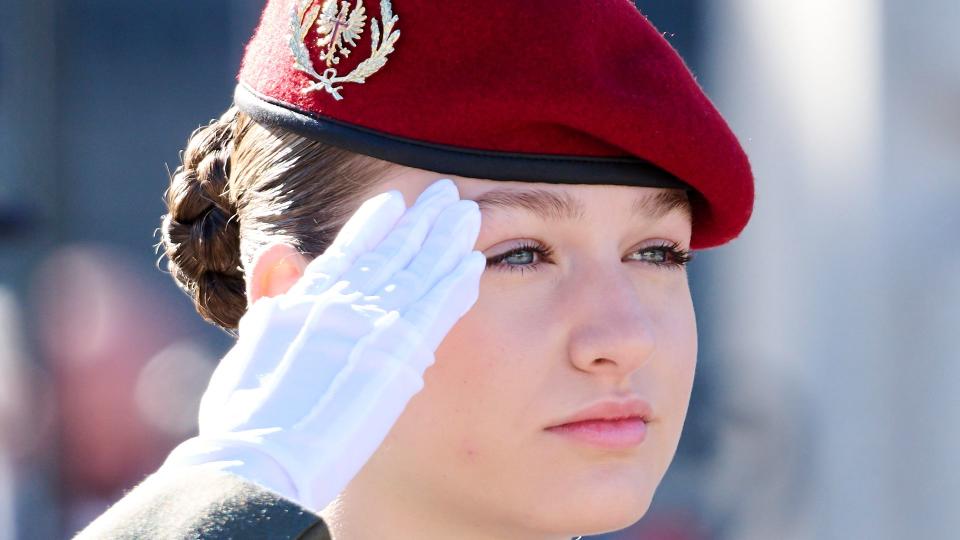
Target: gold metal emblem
[{"x": 337, "y": 33}]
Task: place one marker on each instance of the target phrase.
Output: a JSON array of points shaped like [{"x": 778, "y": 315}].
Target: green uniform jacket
[{"x": 204, "y": 504}]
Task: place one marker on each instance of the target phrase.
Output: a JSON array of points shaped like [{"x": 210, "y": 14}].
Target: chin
[
  {"x": 606, "y": 516},
  {"x": 586, "y": 523},
  {"x": 596, "y": 509}
]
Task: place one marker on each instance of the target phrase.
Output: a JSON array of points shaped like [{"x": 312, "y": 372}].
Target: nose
[{"x": 612, "y": 330}]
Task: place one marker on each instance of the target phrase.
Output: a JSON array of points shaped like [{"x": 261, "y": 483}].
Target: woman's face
[{"x": 577, "y": 312}]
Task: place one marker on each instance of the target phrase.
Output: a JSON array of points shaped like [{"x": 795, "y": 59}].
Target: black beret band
[{"x": 454, "y": 160}]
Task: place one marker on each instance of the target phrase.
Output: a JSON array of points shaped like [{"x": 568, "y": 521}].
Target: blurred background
[{"x": 826, "y": 402}]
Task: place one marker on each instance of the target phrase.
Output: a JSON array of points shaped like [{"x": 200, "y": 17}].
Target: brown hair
[{"x": 241, "y": 185}]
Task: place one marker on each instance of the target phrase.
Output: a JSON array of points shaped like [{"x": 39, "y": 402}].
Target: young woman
[{"x": 455, "y": 264}]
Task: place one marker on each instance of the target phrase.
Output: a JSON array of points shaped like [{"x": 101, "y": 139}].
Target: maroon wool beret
[{"x": 560, "y": 91}]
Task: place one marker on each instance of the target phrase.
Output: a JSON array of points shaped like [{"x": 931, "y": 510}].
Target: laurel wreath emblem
[{"x": 338, "y": 31}]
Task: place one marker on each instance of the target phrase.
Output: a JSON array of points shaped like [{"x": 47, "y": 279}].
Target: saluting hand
[{"x": 319, "y": 375}]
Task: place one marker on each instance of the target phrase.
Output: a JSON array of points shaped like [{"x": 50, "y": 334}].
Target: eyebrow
[
  {"x": 662, "y": 203},
  {"x": 554, "y": 206}
]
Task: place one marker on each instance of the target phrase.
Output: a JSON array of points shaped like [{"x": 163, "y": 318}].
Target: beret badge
[{"x": 337, "y": 29}]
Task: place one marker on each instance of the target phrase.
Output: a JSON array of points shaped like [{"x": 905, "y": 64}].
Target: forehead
[
  {"x": 573, "y": 201},
  {"x": 545, "y": 200}
]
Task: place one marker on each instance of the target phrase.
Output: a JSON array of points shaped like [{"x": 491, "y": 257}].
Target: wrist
[{"x": 245, "y": 459}]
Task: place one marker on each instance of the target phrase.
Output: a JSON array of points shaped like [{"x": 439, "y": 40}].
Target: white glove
[{"x": 319, "y": 375}]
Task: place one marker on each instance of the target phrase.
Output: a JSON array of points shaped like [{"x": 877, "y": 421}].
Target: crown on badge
[{"x": 337, "y": 33}]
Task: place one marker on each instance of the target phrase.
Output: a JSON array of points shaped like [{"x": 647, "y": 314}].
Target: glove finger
[
  {"x": 363, "y": 231},
  {"x": 372, "y": 268},
  {"x": 442, "y": 306},
  {"x": 371, "y": 391},
  {"x": 449, "y": 241},
  {"x": 357, "y": 344},
  {"x": 314, "y": 358},
  {"x": 279, "y": 348}
]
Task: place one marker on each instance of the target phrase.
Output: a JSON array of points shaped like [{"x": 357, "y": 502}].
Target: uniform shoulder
[{"x": 204, "y": 503}]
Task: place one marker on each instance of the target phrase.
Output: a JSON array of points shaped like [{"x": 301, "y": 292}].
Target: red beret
[{"x": 561, "y": 91}]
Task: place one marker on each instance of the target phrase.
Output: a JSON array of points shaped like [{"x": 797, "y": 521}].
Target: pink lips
[{"x": 608, "y": 424}]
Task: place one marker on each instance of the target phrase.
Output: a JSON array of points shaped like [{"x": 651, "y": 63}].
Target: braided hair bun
[{"x": 200, "y": 233}]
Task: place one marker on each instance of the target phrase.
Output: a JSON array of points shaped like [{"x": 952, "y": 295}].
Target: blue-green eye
[
  {"x": 666, "y": 255},
  {"x": 529, "y": 256},
  {"x": 526, "y": 256},
  {"x": 520, "y": 257}
]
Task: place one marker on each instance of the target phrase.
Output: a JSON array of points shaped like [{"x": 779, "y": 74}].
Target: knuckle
[
  {"x": 369, "y": 261},
  {"x": 402, "y": 284},
  {"x": 368, "y": 311}
]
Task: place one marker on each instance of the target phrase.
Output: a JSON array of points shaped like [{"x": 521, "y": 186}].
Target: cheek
[
  {"x": 482, "y": 374},
  {"x": 685, "y": 344},
  {"x": 669, "y": 380},
  {"x": 481, "y": 364},
  {"x": 679, "y": 329}
]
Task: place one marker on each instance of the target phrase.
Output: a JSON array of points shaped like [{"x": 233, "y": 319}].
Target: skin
[{"x": 469, "y": 458}]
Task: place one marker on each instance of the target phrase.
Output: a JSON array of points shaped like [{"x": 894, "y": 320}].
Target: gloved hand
[{"x": 319, "y": 375}]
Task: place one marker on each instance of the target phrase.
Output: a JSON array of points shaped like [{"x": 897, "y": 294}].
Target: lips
[
  {"x": 611, "y": 410},
  {"x": 610, "y": 424}
]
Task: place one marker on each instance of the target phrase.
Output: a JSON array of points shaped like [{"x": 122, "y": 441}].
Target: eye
[
  {"x": 526, "y": 256},
  {"x": 669, "y": 255},
  {"x": 529, "y": 255}
]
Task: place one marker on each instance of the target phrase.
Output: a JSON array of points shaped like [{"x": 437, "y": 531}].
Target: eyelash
[{"x": 676, "y": 256}]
